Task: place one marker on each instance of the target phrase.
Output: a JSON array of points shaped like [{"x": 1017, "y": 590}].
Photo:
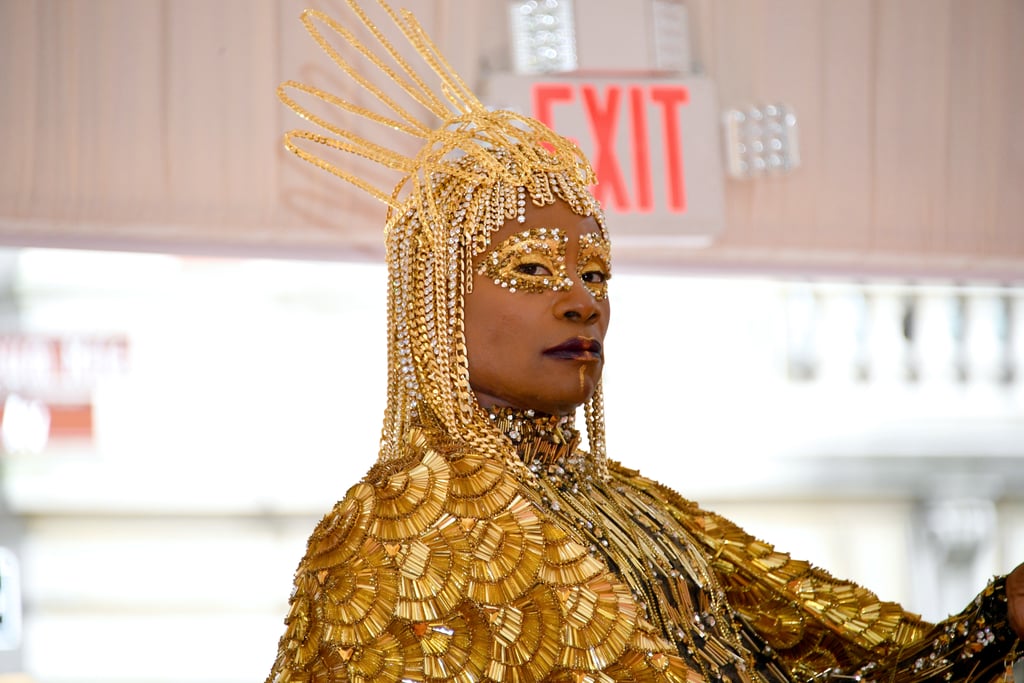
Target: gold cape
[{"x": 444, "y": 564}]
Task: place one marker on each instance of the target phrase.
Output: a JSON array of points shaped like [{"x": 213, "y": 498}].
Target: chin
[{"x": 567, "y": 405}]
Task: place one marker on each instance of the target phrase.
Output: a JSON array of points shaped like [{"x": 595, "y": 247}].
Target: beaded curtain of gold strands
[{"x": 475, "y": 170}]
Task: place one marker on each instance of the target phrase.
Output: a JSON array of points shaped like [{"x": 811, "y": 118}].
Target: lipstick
[{"x": 576, "y": 348}]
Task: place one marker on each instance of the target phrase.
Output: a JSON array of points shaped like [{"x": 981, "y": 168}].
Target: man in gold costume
[{"x": 486, "y": 544}]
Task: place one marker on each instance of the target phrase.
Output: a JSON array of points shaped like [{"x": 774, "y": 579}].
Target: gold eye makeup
[
  {"x": 529, "y": 261},
  {"x": 593, "y": 267}
]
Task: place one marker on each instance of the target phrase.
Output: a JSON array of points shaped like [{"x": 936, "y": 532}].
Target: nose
[{"x": 577, "y": 304}]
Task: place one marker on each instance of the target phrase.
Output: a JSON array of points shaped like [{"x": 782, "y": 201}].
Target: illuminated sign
[
  {"x": 603, "y": 111},
  {"x": 654, "y": 144}
]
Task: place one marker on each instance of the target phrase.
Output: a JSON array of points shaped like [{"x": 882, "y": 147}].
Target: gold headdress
[{"x": 473, "y": 172}]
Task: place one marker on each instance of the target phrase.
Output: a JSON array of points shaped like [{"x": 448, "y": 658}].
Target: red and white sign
[
  {"x": 47, "y": 384},
  {"x": 654, "y": 144}
]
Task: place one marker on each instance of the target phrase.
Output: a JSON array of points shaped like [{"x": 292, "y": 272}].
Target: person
[{"x": 486, "y": 543}]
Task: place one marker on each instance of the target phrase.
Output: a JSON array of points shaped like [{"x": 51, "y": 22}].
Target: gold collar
[{"x": 547, "y": 444}]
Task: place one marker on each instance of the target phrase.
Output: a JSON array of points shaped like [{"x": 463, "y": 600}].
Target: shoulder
[
  {"x": 662, "y": 494},
  {"x": 386, "y": 572},
  {"x": 442, "y": 561},
  {"x": 788, "y": 601}
]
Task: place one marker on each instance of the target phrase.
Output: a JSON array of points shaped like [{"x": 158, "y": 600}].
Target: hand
[{"x": 1015, "y": 599}]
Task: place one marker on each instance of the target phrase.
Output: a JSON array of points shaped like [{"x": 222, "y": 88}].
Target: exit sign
[{"x": 655, "y": 145}]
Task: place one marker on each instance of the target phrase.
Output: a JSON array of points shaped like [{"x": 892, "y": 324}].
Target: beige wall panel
[
  {"x": 148, "y": 124},
  {"x": 911, "y": 124},
  {"x": 218, "y": 161},
  {"x": 97, "y": 139},
  {"x": 788, "y": 67},
  {"x": 729, "y": 56},
  {"x": 17, "y": 33},
  {"x": 909, "y": 116},
  {"x": 976, "y": 128},
  {"x": 843, "y": 202},
  {"x": 1009, "y": 221}
]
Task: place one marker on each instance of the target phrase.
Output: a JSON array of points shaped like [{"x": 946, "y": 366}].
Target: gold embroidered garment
[{"x": 444, "y": 564}]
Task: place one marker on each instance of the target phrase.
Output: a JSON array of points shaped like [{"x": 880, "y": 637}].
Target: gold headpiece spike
[
  {"x": 454, "y": 88},
  {"x": 459, "y": 116},
  {"x": 331, "y": 168},
  {"x": 409, "y": 25},
  {"x": 282, "y": 93},
  {"x": 421, "y": 94}
]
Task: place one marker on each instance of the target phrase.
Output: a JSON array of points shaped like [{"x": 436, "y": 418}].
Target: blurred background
[{"x": 818, "y": 298}]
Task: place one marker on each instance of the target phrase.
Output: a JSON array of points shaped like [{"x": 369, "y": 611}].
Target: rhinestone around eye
[{"x": 548, "y": 242}]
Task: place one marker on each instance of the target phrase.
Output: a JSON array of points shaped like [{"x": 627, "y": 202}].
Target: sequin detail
[
  {"x": 594, "y": 264},
  {"x": 529, "y": 261}
]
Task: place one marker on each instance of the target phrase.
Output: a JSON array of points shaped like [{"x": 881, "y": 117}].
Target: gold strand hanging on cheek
[{"x": 583, "y": 378}]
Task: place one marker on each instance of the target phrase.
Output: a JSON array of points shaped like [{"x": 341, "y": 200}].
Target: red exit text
[{"x": 602, "y": 108}]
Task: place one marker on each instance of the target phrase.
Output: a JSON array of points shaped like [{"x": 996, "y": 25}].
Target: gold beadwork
[
  {"x": 433, "y": 570},
  {"x": 408, "y": 502},
  {"x": 455, "y": 650},
  {"x": 526, "y": 641},
  {"x": 340, "y": 534},
  {"x": 664, "y": 592},
  {"x": 510, "y": 263},
  {"x": 566, "y": 562},
  {"x": 595, "y": 259},
  {"x": 479, "y": 486},
  {"x": 508, "y": 550},
  {"x": 357, "y": 603},
  {"x": 386, "y": 658},
  {"x": 598, "y": 619}
]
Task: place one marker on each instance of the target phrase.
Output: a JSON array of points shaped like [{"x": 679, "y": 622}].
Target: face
[{"x": 538, "y": 313}]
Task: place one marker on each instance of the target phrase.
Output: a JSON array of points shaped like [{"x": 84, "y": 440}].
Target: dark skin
[
  {"x": 509, "y": 337},
  {"x": 1015, "y": 599}
]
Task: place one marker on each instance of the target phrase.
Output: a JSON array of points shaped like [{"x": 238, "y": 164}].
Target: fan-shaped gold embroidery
[
  {"x": 480, "y": 486},
  {"x": 599, "y": 618},
  {"x": 359, "y": 602},
  {"x": 303, "y": 632},
  {"x": 507, "y": 552},
  {"x": 386, "y": 659},
  {"x": 566, "y": 562},
  {"x": 332, "y": 667},
  {"x": 411, "y": 500},
  {"x": 525, "y": 643},
  {"x": 341, "y": 531},
  {"x": 433, "y": 570},
  {"x": 456, "y": 649}
]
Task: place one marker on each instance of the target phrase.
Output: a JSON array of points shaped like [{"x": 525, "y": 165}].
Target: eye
[
  {"x": 533, "y": 269},
  {"x": 594, "y": 277}
]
